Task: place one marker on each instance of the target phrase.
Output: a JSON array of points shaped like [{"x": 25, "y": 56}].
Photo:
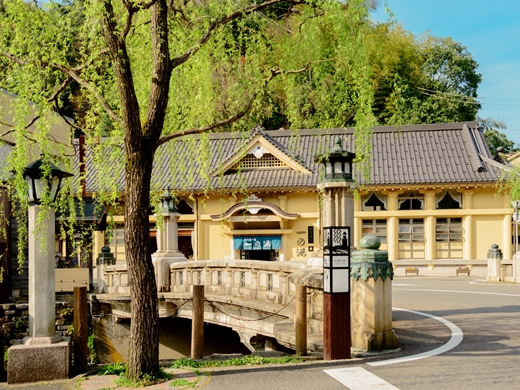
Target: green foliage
[
  {"x": 184, "y": 383},
  {"x": 92, "y": 354},
  {"x": 494, "y": 138},
  {"x": 117, "y": 368},
  {"x": 421, "y": 79},
  {"x": 248, "y": 360}
]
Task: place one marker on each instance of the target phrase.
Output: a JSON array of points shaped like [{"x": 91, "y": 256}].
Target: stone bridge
[{"x": 254, "y": 298}]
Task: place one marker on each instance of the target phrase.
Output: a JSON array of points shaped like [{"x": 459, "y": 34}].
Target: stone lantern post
[
  {"x": 167, "y": 244},
  {"x": 43, "y": 355}
]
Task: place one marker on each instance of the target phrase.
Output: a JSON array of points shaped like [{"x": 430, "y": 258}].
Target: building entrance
[
  {"x": 266, "y": 255},
  {"x": 257, "y": 247}
]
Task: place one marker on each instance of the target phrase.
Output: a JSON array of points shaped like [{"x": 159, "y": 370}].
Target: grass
[
  {"x": 183, "y": 383},
  {"x": 248, "y": 360},
  {"x": 119, "y": 369}
]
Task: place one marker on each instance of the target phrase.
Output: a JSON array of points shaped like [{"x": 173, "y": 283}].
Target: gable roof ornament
[
  {"x": 259, "y": 144},
  {"x": 258, "y": 151}
]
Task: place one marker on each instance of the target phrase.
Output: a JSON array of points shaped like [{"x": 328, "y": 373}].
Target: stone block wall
[{"x": 14, "y": 319}]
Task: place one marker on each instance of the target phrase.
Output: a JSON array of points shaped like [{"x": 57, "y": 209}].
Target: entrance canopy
[{"x": 257, "y": 242}]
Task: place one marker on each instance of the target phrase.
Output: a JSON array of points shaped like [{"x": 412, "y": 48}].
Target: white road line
[
  {"x": 406, "y": 285},
  {"x": 456, "y": 338},
  {"x": 357, "y": 378},
  {"x": 458, "y": 292}
]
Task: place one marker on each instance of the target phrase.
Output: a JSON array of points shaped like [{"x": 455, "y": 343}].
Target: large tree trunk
[
  {"x": 140, "y": 145},
  {"x": 144, "y": 333}
]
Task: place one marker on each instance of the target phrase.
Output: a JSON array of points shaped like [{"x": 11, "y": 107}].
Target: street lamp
[{"x": 39, "y": 183}]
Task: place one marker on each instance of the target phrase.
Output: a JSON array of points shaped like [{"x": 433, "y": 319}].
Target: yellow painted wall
[
  {"x": 302, "y": 202},
  {"x": 297, "y": 243},
  {"x": 488, "y": 231},
  {"x": 486, "y": 198},
  {"x": 214, "y": 244}
]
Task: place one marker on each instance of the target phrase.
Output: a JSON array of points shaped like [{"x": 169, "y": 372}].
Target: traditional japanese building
[{"x": 431, "y": 196}]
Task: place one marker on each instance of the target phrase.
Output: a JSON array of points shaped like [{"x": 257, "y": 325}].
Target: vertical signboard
[{"x": 336, "y": 259}]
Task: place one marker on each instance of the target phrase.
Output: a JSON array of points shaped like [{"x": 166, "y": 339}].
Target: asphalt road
[{"x": 484, "y": 316}]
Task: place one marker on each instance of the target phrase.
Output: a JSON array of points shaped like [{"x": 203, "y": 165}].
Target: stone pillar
[
  {"x": 41, "y": 274},
  {"x": 494, "y": 256},
  {"x": 516, "y": 268},
  {"x": 371, "y": 297},
  {"x": 43, "y": 355},
  {"x": 168, "y": 251},
  {"x": 105, "y": 258}
]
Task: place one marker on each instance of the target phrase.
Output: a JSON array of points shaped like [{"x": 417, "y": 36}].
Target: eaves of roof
[{"x": 419, "y": 155}]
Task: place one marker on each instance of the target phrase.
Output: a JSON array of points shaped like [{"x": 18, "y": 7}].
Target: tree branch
[
  {"x": 161, "y": 73},
  {"x": 73, "y": 74},
  {"x": 273, "y": 73},
  {"x": 123, "y": 74},
  {"x": 213, "y": 126},
  {"x": 214, "y": 26}
]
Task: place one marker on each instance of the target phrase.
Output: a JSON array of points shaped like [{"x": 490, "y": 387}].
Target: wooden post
[
  {"x": 336, "y": 326},
  {"x": 197, "y": 322},
  {"x": 80, "y": 327},
  {"x": 3, "y": 375},
  {"x": 301, "y": 320}
]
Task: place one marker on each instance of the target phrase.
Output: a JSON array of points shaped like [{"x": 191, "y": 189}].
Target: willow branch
[
  {"x": 60, "y": 89},
  {"x": 214, "y": 26},
  {"x": 273, "y": 73},
  {"x": 73, "y": 74},
  {"x": 213, "y": 126}
]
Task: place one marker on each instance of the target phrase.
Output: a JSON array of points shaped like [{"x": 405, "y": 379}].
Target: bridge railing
[
  {"x": 250, "y": 279},
  {"x": 247, "y": 279}
]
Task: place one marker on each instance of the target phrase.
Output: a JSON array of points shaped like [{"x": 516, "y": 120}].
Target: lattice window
[{"x": 266, "y": 161}]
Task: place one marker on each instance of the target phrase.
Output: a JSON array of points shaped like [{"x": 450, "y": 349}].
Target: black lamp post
[{"x": 39, "y": 183}]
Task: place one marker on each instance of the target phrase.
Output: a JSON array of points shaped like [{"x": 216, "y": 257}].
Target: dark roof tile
[{"x": 404, "y": 155}]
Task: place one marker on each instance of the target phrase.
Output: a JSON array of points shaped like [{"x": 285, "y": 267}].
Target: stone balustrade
[
  {"x": 249, "y": 279},
  {"x": 116, "y": 279},
  {"x": 245, "y": 282}
]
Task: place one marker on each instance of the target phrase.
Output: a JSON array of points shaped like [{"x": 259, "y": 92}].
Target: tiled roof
[{"x": 417, "y": 154}]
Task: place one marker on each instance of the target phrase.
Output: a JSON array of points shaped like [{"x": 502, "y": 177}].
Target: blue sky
[{"x": 490, "y": 29}]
